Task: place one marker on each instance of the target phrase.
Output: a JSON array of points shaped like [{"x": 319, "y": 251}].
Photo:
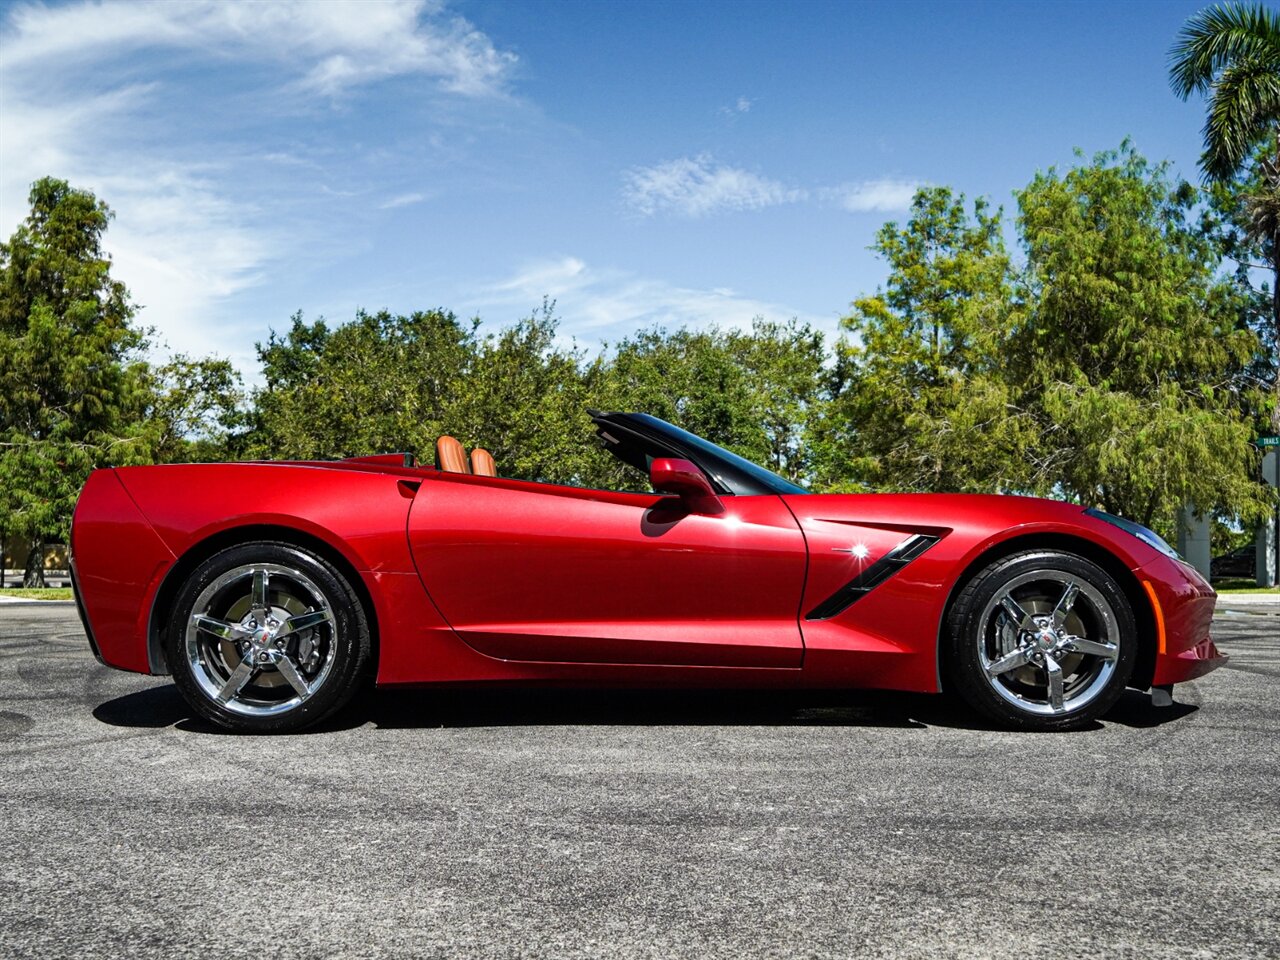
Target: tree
[
  {"x": 784, "y": 364},
  {"x": 1232, "y": 54},
  {"x": 380, "y": 383},
  {"x": 920, "y": 399},
  {"x": 71, "y": 383},
  {"x": 196, "y": 411},
  {"x": 690, "y": 378},
  {"x": 385, "y": 383},
  {"x": 1130, "y": 358},
  {"x": 524, "y": 399},
  {"x": 756, "y": 393}
]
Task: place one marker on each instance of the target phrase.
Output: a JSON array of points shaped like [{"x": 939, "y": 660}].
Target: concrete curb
[{"x": 1236, "y": 599}]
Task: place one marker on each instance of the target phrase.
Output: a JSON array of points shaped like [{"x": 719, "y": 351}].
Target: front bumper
[
  {"x": 1183, "y": 604},
  {"x": 1189, "y": 664}
]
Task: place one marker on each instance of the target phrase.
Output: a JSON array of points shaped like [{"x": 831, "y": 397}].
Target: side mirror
[{"x": 683, "y": 478}]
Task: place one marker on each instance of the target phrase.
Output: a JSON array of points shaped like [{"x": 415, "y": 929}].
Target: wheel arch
[
  {"x": 1144, "y": 615},
  {"x": 162, "y": 604}
]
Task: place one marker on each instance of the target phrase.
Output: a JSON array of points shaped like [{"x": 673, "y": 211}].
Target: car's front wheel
[
  {"x": 267, "y": 638},
  {"x": 1041, "y": 640}
]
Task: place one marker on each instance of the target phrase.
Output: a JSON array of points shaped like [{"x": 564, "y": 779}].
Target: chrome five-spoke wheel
[
  {"x": 1041, "y": 639},
  {"x": 267, "y": 637},
  {"x": 260, "y": 640},
  {"x": 1051, "y": 642}
]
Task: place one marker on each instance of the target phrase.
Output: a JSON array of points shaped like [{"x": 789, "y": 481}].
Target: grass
[
  {"x": 37, "y": 593},
  {"x": 1242, "y": 585}
]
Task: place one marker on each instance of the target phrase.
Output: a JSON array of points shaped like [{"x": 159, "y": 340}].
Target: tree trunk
[
  {"x": 1275, "y": 317},
  {"x": 1274, "y": 177},
  {"x": 34, "y": 574}
]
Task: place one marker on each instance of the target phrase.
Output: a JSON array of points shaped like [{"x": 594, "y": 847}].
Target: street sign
[
  {"x": 1271, "y": 468},
  {"x": 1271, "y": 441}
]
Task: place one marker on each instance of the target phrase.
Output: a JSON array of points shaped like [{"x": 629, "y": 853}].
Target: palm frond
[
  {"x": 1244, "y": 106},
  {"x": 1216, "y": 37}
]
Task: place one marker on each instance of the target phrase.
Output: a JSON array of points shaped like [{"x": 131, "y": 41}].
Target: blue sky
[{"x": 679, "y": 163}]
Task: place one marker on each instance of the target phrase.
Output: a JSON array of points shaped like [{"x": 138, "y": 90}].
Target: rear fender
[{"x": 120, "y": 561}]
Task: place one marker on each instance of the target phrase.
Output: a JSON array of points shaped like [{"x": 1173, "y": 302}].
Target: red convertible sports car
[{"x": 272, "y": 591}]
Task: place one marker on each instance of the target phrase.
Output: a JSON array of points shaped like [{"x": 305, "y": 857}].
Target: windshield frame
[{"x": 728, "y": 472}]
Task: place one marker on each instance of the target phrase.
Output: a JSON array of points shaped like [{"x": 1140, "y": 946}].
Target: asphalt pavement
[{"x": 553, "y": 824}]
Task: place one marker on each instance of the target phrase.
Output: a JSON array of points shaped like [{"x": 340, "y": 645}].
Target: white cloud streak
[
  {"x": 404, "y": 200},
  {"x": 694, "y": 187},
  {"x": 874, "y": 196},
  {"x": 598, "y": 304},
  {"x": 698, "y": 186},
  {"x": 331, "y": 45}
]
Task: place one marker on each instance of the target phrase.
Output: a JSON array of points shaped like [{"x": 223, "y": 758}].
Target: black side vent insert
[{"x": 872, "y": 577}]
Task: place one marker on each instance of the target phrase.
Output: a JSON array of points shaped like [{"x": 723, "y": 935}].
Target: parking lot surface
[{"x": 637, "y": 824}]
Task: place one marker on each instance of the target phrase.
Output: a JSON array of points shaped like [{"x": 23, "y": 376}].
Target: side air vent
[{"x": 872, "y": 577}]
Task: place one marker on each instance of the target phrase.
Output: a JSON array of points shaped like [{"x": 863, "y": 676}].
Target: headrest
[
  {"x": 451, "y": 456},
  {"x": 482, "y": 464}
]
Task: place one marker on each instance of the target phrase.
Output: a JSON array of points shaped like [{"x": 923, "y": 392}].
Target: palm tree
[{"x": 1231, "y": 54}]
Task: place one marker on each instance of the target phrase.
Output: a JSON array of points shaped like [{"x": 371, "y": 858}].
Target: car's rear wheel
[
  {"x": 267, "y": 638},
  {"x": 1041, "y": 640}
]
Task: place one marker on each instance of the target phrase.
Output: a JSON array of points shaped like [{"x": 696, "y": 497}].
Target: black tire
[
  {"x": 321, "y": 630},
  {"x": 1092, "y": 645}
]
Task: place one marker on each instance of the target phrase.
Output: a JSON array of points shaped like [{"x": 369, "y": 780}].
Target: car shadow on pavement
[
  {"x": 163, "y": 706},
  {"x": 1134, "y": 709}
]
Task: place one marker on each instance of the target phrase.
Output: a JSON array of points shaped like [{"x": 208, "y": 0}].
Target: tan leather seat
[
  {"x": 451, "y": 456},
  {"x": 482, "y": 464}
]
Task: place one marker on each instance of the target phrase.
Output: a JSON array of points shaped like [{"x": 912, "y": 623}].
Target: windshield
[{"x": 770, "y": 481}]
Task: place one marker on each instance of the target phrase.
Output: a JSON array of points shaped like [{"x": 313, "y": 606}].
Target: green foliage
[
  {"x": 920, "y": 400},
  {"x": 1131, "y": 360},
  {"x": 1231, "y": 54},
  {"x": 1113, "y": 369},
  {"x": 384, "y": 383},
  {"x": 1119, "y": 281},
  {"x": 784, "y": 364},
  {"x": 1225, "y": 537},
  {"x": 1229, "y": 220},
  {"x": 525, "y": 398},
  {"x": 750, "y": 392},
  {"x": 387, "y": 383},
  {"x": 380, "y": 383},
  {"x": 196, "y": 411},
  {"x": 71, "y": 386}
]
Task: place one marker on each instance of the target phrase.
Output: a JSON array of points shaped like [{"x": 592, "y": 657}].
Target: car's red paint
[
  {"x": 479, "y": 579},
  {"x": 1186, "y": 604},
  {"x": 685, "y": 480},
  {"x": 119, "y": 561},
  {"x": 529, "y": 571}
]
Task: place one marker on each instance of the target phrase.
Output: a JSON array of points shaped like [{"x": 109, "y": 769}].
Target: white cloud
[
  {"x": 598, "y": 304},
  {"x": 403, "y": 200},
  {"x": 735, "y": 110},
  {"x": 698, "y": 186},
  {"x": 874, "y": 196},
  {"x": 200, "y": 221},
  {"x": 331, "y": 45}
]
